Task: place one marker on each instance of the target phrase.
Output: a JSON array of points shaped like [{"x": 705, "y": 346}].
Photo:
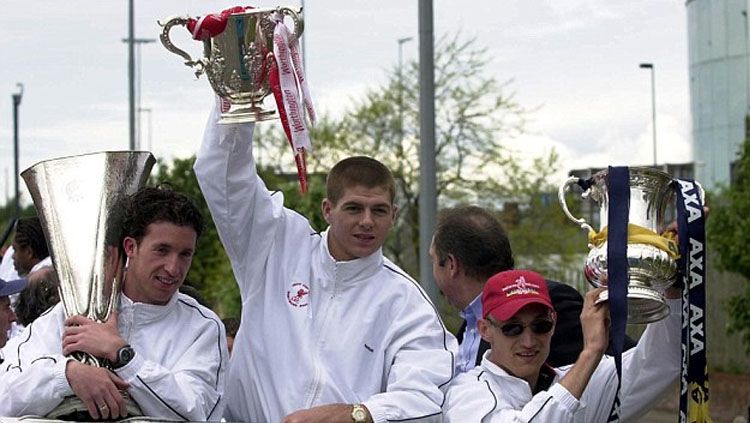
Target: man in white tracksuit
[
  {"x": 168, "y": 352},
  {"x": 513, "y": 383},
  {"x": 331, "y": 330}
]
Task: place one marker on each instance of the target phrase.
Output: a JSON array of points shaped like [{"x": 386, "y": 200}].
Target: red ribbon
[{"x": 213, "y": 24}]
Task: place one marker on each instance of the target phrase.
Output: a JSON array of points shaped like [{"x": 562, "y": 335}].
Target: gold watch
[{"x": 359, "y": 413}]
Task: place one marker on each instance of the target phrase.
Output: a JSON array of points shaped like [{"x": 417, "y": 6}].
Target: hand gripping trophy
[{"x": 77, "y": 202}]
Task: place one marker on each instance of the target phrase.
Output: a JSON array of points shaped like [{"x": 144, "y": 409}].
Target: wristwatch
[
  {"x": 124, "y": 355},
  {"x": 359, "y": 413}
]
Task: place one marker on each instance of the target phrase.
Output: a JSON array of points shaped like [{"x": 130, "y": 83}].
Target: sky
[{"x": 574, "y": 62}]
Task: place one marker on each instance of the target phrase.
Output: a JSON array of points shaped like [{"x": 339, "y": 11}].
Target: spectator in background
[
  {"x": 231, "y": 325},
  {"x": 29, "y": 246},
  {"x": 7, "y": 316},
  {"x": 40, "y": 294}
]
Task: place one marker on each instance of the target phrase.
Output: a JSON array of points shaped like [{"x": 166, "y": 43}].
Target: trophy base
[
  {"x": 240, "y": 114},
  {"x": 73, "y": 409},
  {"x": 645, "y": 305}
]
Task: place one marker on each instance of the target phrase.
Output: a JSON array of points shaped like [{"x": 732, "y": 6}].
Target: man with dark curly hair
[{"x": 167, "y": 351}]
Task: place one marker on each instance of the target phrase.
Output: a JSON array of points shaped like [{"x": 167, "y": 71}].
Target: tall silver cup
[
  {"x": 651, "y": 269},
  {"x": 77, "y": 201},
  {"x": 238, "y": 60}
]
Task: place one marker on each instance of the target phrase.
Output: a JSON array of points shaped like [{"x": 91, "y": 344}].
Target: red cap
[{"x": 507, "y": 292}]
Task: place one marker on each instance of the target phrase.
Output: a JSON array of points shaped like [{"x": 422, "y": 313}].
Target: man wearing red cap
[{"x": 514, "y": 383}]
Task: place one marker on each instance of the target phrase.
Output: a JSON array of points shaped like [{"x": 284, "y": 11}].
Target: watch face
[
  {"x": 125, "y": 355},
  {"x": 359, "y": 414}
]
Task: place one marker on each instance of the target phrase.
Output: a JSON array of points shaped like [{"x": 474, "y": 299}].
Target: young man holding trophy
[
  {"x": 514, "y": 382},
  {"x": 159, "y": 353},
  {"x": 332, "y": 331}
]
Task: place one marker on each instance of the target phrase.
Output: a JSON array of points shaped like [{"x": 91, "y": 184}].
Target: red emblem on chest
[{"x": 298, "y": 295}]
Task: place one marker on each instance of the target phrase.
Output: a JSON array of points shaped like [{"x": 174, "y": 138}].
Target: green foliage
[
  {"x": 541, "y": 236},
  {"x": 729, "y": 236}
]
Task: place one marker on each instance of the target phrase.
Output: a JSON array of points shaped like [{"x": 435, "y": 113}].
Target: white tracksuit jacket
[
  {"x": 488, "y": 394},
  {"x": 178, "y": 371},
  {"x": 315, "y": 331}
]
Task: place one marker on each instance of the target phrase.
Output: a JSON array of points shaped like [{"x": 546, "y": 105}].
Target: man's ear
[
  {"x": 453, "y": 264},
  {"x": 484, "y": 329},
  {"x": 326, "y": 207},
  {"x": 130, "y": 245}
]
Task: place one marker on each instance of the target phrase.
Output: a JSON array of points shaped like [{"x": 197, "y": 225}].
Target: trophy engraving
[{"x": 77, "y": 202}]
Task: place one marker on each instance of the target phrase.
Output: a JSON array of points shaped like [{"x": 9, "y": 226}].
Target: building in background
[{"x": 719, "y": 85}]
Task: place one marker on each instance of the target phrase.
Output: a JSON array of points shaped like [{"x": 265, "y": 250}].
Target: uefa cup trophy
[
  {"x": 77, "y": 199},
  {"x": 238, "y": 59},
  {"x": 651, "y": 257}
]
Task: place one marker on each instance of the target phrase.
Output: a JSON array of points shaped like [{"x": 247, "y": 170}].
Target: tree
[
  {"x": 474, "y": 114},
  {"x": 541, "y": 236},
  {"x": 729, "y": 235}
]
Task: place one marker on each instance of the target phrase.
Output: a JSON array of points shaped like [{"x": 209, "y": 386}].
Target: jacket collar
[
  {"x": 145, "y": 312},
  {"x": 549, "y": 375},
  {"x": 352, "y": 270}
]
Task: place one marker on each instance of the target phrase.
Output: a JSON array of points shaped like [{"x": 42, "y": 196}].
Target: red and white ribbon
[{"x": 285, "y": 47}]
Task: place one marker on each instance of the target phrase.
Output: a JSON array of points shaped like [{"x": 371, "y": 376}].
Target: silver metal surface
[
  {"x": 651, "y": 270},
  {"x": 237, "y": 61},
  {"x": 77, "y": 202}
]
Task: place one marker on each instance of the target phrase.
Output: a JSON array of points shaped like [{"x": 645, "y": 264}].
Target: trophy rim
[{"x": 60, "y": 158}]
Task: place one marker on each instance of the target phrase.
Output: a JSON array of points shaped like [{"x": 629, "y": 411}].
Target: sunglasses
[{"x": 539, "y": 327}]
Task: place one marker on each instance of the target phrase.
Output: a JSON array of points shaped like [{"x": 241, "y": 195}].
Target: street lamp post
[
  {"x": 16, "y": 102},
  {"x": 427, "y": 171},
  {"x": 653, "y": 103},
  {"x": 136, "y": 123}
]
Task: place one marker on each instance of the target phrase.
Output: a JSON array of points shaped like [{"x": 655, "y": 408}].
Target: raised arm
[
  {"x": 245, "y": 213},
  {"x": 647, "y": 371}
]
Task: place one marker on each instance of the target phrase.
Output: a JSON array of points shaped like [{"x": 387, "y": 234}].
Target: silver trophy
[
  {"x": 651, "y": 259},
  {"x": 237, "y": 61},
  {"x": 77, "y": 201}
]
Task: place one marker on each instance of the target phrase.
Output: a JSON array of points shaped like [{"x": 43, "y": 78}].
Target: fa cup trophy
[
  {"x": 651, "y": 256},
  {"x": 77, "y": 199}
]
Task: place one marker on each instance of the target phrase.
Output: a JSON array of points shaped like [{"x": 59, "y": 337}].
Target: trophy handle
[
  {"x": 561, "y": 198},
  {"x": 299, "y": 23},
  {"x": 167, "y": 42}
]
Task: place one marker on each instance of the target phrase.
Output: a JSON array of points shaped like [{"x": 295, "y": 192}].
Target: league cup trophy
[
  {"x": 238, "y": 55},
  {"x": 77, "y": 200},
  {"x": 651, "y": 257}
]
